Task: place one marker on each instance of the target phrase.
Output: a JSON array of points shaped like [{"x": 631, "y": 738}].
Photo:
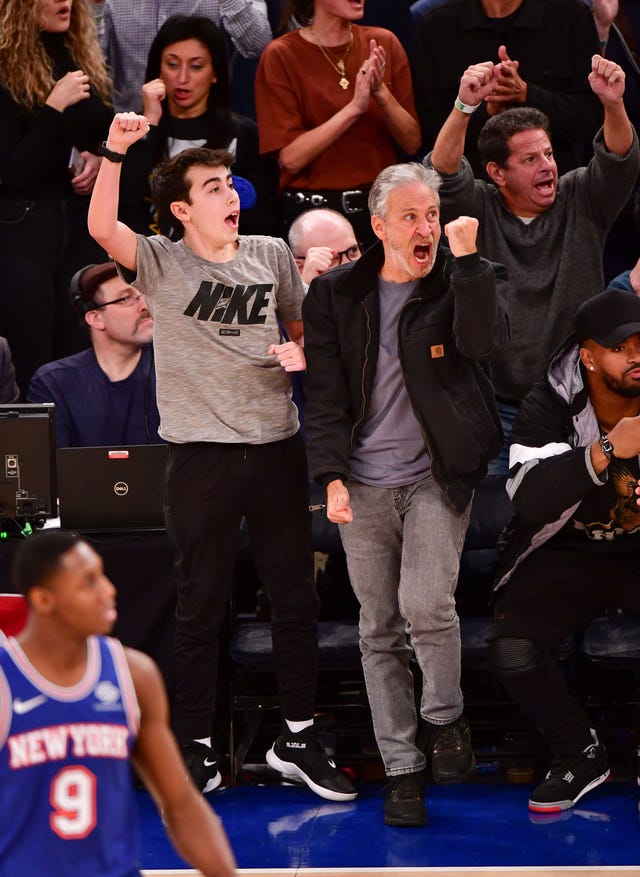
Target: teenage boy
[{"x": 234, "y": 445}]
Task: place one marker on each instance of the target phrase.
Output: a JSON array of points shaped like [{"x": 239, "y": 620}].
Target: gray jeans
[{"x": 403, "y": 553}]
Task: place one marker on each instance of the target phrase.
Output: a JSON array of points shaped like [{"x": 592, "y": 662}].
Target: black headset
[{"x": 75, "y": 291}]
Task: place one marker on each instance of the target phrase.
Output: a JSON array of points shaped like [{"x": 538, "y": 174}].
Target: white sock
[
  {"x": 296, "y": 727},
  {"x": 204, "y": 740}
]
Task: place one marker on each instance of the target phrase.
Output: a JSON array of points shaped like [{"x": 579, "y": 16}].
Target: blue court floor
[{"x": 470, "y": 826}]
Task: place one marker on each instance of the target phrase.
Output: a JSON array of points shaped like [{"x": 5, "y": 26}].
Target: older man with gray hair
[{"x": 401, "y": 422}]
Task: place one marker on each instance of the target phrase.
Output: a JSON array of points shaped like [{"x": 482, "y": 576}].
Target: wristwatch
[{"x": 606, "y": 447}]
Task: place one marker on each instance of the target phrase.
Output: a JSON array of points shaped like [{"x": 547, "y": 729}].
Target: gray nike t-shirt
[{"x": 213, "y": 325}]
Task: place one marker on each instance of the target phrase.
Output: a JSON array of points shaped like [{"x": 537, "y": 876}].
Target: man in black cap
[
  {"x": 573, "y": 546},
  {"x": 105, "y": 395}
]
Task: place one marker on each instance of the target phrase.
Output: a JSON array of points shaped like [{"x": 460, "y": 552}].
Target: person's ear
[
  {"x": 94, "y": 319},
  {"x": 41, "y": 599},
  {"x": 586, "y": 358},
  {"x": 495, "y": 173},
  {"x": 378, "y": 226},
  {"x": 180, "y": 210}
]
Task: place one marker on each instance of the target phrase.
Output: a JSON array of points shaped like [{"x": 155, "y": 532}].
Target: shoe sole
[
  {"x": 289, "y": 769},
  {"x": 556, "y": 806},
  {"x": 212, "y": 784},
  {"x": 404, "y": 823},
  {"x": 444, "y": 779}
]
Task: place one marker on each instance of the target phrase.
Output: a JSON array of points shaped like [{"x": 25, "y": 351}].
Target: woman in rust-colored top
[{"x": 334, "y": 100}]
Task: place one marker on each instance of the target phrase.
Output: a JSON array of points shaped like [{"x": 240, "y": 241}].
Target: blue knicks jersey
[{"x": 66, "y": 800}]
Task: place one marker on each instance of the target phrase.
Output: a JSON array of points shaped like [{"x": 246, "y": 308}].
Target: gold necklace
[{"x": 338, "y": 64}]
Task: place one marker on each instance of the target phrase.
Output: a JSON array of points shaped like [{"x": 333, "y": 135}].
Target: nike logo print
[
  {"x": 25, "y": 706},
  {"x": 208, "y": 763}
]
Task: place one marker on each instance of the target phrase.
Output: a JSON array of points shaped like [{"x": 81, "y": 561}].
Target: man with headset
[{"x": 105, "y": 395}]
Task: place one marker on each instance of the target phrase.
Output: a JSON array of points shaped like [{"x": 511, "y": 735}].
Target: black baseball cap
[
  {"x": 86, "y": 281},
  {"x": 608, "y": 318}
]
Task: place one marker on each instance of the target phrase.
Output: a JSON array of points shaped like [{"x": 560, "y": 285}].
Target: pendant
[
  {"x": 344, "y": 83},
  {"x": 341, "y": 66}
]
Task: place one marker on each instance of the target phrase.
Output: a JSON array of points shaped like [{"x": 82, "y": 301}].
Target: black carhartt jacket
[{"x": 455, "y": 320}]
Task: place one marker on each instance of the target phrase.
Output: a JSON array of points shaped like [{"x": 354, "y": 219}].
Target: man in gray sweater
[{"x": 549, "y": 232}]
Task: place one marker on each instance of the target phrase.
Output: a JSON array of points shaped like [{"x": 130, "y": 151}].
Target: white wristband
[{"x": 465, "y": 108}]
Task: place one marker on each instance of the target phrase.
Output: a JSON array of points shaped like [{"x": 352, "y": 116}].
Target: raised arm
[
  {"x": 194, "y": 828},
  {"x": 116, "y": 237},
  {"x": 476, "y": 83},
  {"x": 607, "y": 81}
]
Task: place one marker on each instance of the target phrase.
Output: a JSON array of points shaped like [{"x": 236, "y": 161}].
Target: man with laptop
[{"x": 105, "y": 395}]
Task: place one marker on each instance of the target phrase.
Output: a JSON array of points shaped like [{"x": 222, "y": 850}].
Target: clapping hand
[{"x": 509, "y": 88}]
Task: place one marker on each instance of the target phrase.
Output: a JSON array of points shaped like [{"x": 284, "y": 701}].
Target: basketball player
[{"x": 75, "y": 707}]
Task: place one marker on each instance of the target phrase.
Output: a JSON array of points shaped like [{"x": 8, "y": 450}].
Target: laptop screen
[
  {"x": 27, "y": 464},
  {"x": 111, "y": 488}
]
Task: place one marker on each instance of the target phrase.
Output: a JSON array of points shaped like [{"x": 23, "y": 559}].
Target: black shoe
[
  {"x": 300, "y": 756},
  {"x": 404, "y": 801},
  {"x": 452, "y": 755},
  {"x": 569, "y": 778},
  {"x": 202, "y": 765}
]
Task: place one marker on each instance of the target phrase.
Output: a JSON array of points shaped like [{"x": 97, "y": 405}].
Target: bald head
[
  {"x": 320, "y": 228},
  {"x": 322, "y": 239}
]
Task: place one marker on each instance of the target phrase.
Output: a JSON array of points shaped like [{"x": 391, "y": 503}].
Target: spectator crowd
[{"x": 412, "y": 233}]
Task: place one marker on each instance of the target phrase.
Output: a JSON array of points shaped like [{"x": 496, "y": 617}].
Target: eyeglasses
[
  {"x": 127, "y": 301},
  {"x": 350, "y": 254}
]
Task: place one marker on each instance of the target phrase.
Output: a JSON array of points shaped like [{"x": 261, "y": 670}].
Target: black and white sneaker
[
  {"x": 571, "y": 777},
  {"x": 300, "y": 756},
  {"x": 202, "y": 765}
]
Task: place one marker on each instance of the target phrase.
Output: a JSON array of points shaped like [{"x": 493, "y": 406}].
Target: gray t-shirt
[
  {"x": 214, "y": 322},
  {"x": 390, "y": 451}
]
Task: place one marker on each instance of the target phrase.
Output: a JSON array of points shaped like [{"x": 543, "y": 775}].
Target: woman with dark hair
[
  {"x": 186, "y": 100},
  {"x": 54, "y": 113},
  {"x": 334, "y": 102}
]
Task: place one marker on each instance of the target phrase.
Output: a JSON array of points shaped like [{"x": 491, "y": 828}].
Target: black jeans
[
  {"x": 208, "y": 489},
  {"x": 551, "y": 595},
  {"x": 41, "y": 246}
]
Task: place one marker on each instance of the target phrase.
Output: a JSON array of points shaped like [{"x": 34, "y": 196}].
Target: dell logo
[{"x": 121, "y": 488}]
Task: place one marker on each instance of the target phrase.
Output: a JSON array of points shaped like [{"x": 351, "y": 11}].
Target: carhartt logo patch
[{"x": 437, "y": 351}]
